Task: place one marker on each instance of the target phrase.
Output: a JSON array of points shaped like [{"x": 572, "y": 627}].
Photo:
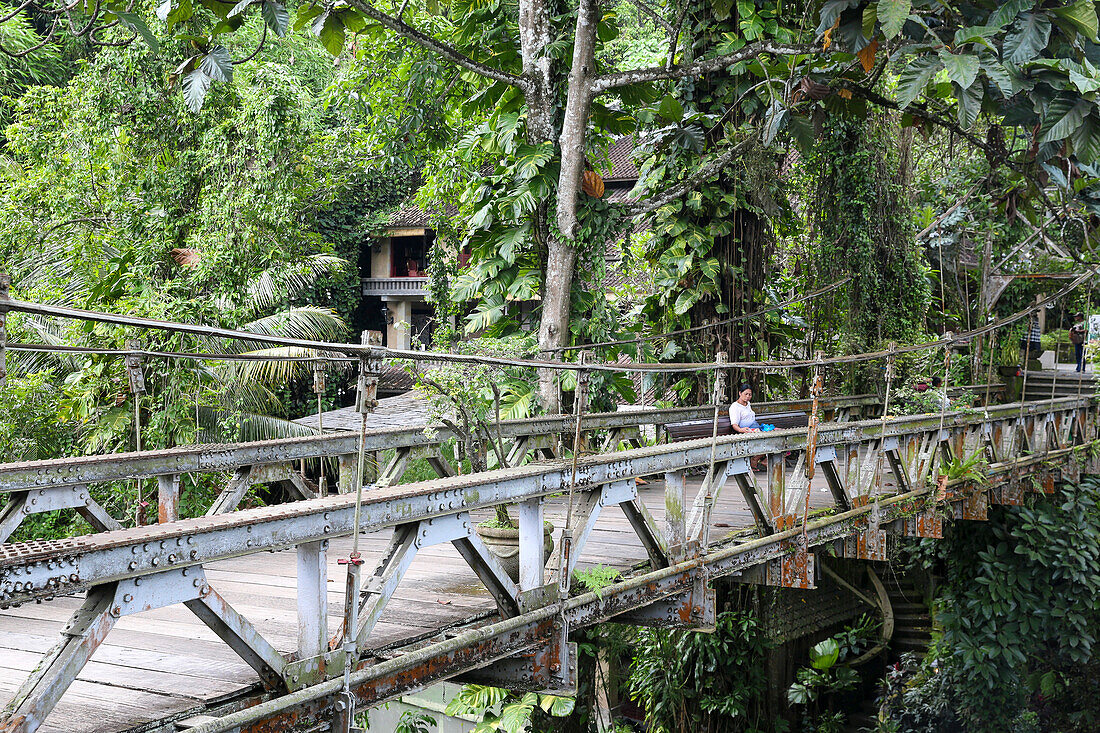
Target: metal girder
[
  {"x": 538, "y": 670},
  {"x": 709, "y": 491},
  {"x": 675, "y": 524},
  {"x": 241, "y": 636},
  {"x": 395, "y": 468},
  {"x": 973, "y": 507},
  {"x": 695, "y": 609},
  {"x": 40, "y": 692},
  {"x": 478, "y": 646},
  {"x": 102, "y": 607},
  {"x": 867, "y": 544},
  {"x": 407, "y": 540},
  {"x": 213, "y": 458},
  {"x": 245, "y": 478},
  {"x": 144, "y": 464},
  {"x": 312, "y": 574},
  {"x": 745, "y": 479},
  {"x": 587, "y": 511},
  {"x": 44, "y": 568},
  {"x": 24, "y": 503}
]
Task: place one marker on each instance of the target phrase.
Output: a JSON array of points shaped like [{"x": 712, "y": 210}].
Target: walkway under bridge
[{"x": 232, "y": 621}]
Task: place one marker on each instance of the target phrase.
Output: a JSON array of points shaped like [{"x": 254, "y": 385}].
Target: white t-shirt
[{"x": 742, "y": 415}]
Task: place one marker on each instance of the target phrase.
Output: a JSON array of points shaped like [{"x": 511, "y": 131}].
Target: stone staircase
[{"x": 912, "y": 633}]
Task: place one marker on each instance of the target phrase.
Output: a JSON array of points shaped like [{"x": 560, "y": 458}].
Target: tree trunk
[
  {"x": 578, "y": 102},
  {"x": 554, "y": 326}
]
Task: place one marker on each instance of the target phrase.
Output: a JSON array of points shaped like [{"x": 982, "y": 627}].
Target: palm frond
[
  {"x": 305, "y": 322},
  {"x": 265, "y": 427},
  {"x": 277, "y": 285},
  {"x": 41, "y": 330},
  {"x": 279, "y": 373}
]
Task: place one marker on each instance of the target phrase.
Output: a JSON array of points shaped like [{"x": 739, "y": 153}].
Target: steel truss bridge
[{"x": 882, "y": 477}]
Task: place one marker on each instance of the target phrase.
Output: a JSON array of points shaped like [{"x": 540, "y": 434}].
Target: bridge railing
[
  {"x": 50, "y": 485},
  {"x": 128, "y": 571},
  {"x": 63, "y": 484}
]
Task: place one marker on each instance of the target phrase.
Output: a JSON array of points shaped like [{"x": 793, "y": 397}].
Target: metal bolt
[
  {"x": 116, "y": 611},
  {"x": 155, "y": 561},
  {"x": 196, "y": 582},
  {"x": 133, "y": 565},
  {"x": 127, "y": 598},
  {"x": 137, "y": 581}
]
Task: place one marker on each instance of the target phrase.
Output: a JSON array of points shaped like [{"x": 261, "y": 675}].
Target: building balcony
[{"x": 395, "y": 286}]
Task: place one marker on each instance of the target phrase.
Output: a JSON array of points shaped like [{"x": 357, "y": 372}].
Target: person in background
[
  {"x": 742, "y": 417},
  {"x": 1077, "y": 338},
  {"x": 942, "y": 400}
]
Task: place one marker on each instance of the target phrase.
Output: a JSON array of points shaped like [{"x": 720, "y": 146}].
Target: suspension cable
[{"x": 430, "y": 356}]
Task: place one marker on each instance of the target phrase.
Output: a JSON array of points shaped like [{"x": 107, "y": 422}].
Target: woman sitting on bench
[{"x": 742, "y": 417}]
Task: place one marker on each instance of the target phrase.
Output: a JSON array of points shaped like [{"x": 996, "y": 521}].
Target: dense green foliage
[
  {"x": 1018, "y": 617},
  {"x": 863, "y": 227},
  {"x": 701, "y": 682}
]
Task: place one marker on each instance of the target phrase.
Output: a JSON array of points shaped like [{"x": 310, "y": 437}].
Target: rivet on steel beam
[
  {"x": 127, "y": 598},
  {"x": 137, "y": 581}
]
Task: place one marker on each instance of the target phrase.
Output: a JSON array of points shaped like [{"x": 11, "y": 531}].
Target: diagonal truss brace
[
  {"x": 36, "y": 501},
  {"x": 624, "y": 493},
  {"x": 246, "y": 477},
  {"x": 103, "y": 606},
  {"x": 407, "y": 540}
]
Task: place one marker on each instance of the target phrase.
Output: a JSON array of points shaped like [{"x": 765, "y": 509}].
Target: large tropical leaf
[
  {"x": 1028, "y": 38},
  {"x": 305, "y": 322},
  {"x": 970, "y": 103},
  {"x": 961, "y": 68},
  {"x": 892, "y": 15},
  {"x": 278, "y": 372},
  {"x": 1086, "y": 140},
  {"x": 277, "y": 286},
  {"x": 1063, "y": 116},
  {"x": 1008, "y": 11},
  {"x": 914, "y": 77},
  {"x": 1081, "y": 15}
]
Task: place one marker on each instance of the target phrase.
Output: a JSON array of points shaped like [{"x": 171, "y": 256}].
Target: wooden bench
[{"x": 694, "y": 429}]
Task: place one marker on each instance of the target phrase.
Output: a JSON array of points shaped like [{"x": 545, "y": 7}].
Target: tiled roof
[
  {"x": 411, "y": 216},
  {"x": 409, "y": 410},
  {"x": 621, "y": 156}
]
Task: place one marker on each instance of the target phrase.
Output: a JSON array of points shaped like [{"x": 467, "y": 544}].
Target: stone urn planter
[{"x": 503, "y": 542}]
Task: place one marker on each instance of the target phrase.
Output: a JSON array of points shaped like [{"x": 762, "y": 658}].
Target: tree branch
[
  {"x": 423, "y": 40},
  {"x": 702, "y": 66},
  {"x": 653, "y": 14},
  {"x": 921, "y": 111},
  {"x": 709, "y": 169}
]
